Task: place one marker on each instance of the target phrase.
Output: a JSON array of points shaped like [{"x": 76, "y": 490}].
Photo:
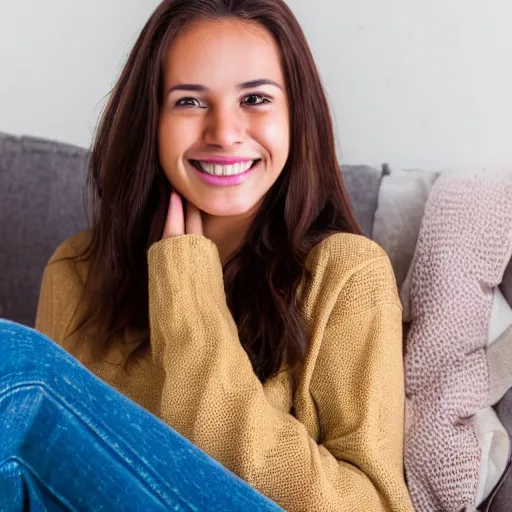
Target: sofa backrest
[{"x": 42, "y": 204}]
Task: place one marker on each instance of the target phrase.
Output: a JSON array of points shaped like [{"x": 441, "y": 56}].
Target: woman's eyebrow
[
  {"x": 257, "y": 83},
  {"x": 245, "y": 85}
]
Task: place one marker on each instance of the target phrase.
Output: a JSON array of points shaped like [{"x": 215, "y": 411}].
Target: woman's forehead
[{"x": 223, "y": 53}]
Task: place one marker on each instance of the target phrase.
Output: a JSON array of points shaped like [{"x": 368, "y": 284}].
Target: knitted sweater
[{"x": 332, "y": 442}]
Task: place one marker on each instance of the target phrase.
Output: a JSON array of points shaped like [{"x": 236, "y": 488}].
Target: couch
[{"x": 43, "y": 202}]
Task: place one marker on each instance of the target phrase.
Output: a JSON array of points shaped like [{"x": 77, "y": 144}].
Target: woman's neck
[{"x": 227, "y": 233}]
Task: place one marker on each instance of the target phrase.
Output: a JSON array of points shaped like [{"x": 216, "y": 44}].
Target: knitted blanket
[{"x": 463, "y": 248}]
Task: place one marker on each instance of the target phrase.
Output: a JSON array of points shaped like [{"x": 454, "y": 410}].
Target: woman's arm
[
  {"x": 61, "y": 290},
  {"x": 212, "y": 396}
]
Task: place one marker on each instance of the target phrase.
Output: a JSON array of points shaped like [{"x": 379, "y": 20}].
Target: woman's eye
[
  {"x": 256, "y": 99},
  {"x": 188, "y": 102}
]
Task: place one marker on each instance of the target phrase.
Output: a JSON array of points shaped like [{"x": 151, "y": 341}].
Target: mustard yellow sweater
[{"x": 335, "y": 444}]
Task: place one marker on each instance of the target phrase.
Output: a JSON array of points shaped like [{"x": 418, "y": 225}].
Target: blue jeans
[{"x": 68, "y": 441}]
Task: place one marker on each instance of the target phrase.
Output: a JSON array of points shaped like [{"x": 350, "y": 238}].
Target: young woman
[{"x": 224, "y": 285}]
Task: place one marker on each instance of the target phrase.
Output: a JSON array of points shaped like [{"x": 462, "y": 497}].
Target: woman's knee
[{"x": 25, "y": 351}]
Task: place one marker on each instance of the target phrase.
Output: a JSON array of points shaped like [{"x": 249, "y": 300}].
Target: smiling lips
[{"x": 224, "y": 166}]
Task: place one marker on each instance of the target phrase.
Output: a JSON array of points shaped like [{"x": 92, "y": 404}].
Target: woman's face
[{"x": 224, "y": 125}]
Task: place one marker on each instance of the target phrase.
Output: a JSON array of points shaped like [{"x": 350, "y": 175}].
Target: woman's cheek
[
  {"x": 172, "y": 139},
  {"x": 275, "y": 136}
]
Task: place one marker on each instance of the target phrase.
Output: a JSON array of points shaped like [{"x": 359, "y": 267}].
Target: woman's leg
[{"x": 68, "y": 441}]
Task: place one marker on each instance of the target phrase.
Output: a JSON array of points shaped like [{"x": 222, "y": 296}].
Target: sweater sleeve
[
  {"x": 212, "y": 396},
  {"x": 59, "y": 295}
]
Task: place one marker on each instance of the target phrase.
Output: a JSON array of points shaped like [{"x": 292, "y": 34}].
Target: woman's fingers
[
  {"x": 175, "y": 222},
  {"x": 193, "y": 220}
]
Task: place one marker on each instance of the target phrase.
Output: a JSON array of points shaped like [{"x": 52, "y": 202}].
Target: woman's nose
[{"x": 224, "y": 128}]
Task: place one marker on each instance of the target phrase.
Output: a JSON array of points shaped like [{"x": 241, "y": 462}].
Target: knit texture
[
  {"x": 463, "y": 248},
  {"x": 333, "y": 442}
]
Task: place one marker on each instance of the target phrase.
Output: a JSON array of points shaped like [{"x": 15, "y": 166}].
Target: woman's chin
[
  {"x": 241, "y": 209},
  {"x": 227, "y": 212}
]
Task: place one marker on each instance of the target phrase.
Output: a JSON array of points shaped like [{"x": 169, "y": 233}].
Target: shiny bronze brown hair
[{"x": 130, "y": 194}]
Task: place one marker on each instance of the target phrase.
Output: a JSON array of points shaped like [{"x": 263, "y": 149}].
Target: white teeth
[{"x": 226, "y": 170}]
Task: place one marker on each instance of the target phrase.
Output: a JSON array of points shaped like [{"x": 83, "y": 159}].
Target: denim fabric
[{"x": 68, "y": 441}]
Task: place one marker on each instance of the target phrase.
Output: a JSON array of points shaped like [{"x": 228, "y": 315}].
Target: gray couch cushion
[
  {"x": 363, "y": 183},
  {"x": 506, "y": 285},
  {"x": 42, "y": 203}
]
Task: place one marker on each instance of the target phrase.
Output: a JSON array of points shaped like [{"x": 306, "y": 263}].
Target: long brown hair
[{"x": 130, "y": 193}]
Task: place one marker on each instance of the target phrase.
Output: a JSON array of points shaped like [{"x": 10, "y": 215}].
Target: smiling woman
[{"x": 224, "y": 285}]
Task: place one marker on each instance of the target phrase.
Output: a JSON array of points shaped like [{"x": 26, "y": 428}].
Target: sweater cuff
[{"x": 181, "y": 260}]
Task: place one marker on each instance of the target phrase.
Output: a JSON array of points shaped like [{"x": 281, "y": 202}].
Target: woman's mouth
[
  {"x": 214, "y": 169},
  {"x": 225, "y": 175}
]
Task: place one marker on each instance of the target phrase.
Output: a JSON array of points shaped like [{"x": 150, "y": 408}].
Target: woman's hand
[{"x": 180, "y": 223}]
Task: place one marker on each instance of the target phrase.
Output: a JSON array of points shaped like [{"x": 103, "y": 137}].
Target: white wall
[
  {"x": 417, "y": 84},
  {"x": 58, "y": 61}
]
